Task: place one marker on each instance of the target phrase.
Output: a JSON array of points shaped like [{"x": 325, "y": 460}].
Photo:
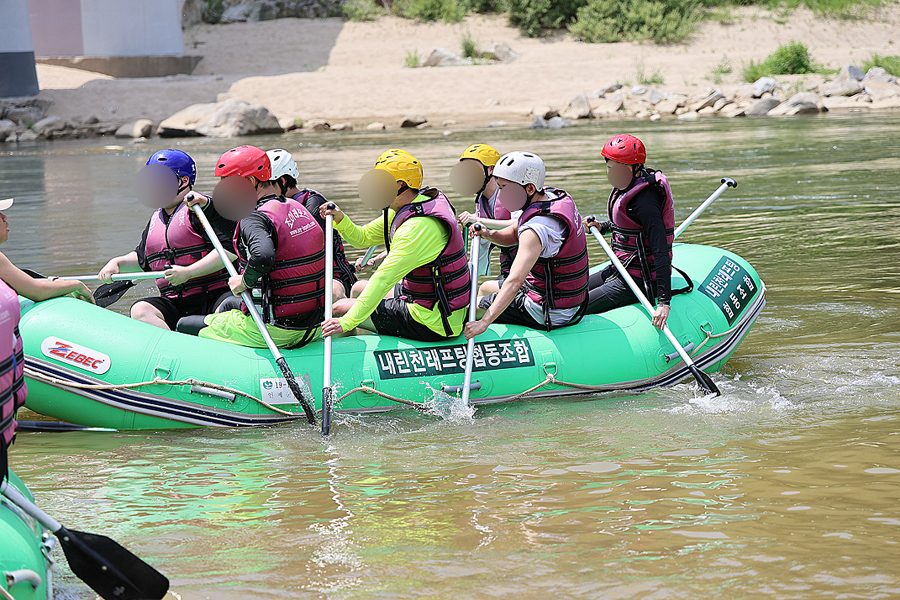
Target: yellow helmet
[
  {"x": 483, "y": 153},
  {"x": 402, "y": 166}
]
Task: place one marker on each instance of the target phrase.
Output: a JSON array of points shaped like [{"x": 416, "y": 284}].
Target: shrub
[
  {"x": 723, "y": 68},
  {"x": 643, "y": 78},
  {"x": 891, "y": 64},
  {"x": 449, "y": 11},
  {"x": 362, "y": 10},
  {"x": 791, "y": 59},
  {"x": 486, "y": 6},
  {"x": 212, "y": 11},
  {"x": 662, "y": 21},
  {"x": 535, "y": 17},
  {"x": 468, "y": 45},
  {"x": 412, "y": 60}
]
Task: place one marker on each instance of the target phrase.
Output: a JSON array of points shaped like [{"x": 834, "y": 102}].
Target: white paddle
[
  {"x": 329, "y": 300},
  {"x": 473, "y": 309},
  {"x": 727, "y": 182},
  {"x": 702, "y": 378}
]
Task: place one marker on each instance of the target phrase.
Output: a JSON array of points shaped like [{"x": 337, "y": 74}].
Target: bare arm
[
  {"x": 40, "y": 289},
  {"x": 127, "y": 263},
  {"x": 508, "y": 236},
  {"x": 528, "y": 254}
]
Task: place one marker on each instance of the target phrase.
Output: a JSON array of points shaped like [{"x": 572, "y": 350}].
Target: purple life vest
[
  {"x": 446, "y": 280},
  {"x": 295, "y": 287},
  {"x": 12, "y": 368},
  {"x": 626, "y": 232},
  {"x": 489, "y": 208},
  {"x": 566, "y": 274},
  {"x": 343, "y": 270},
  {"x": 174, "y": 242}
]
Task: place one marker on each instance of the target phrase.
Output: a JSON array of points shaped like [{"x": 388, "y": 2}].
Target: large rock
[
  {"x": 578, "y": 108},
  {"x": 733, "y": 111},
  {"x": 375, "y": 126},
  {"x": 191, "y": 13},
  {"x": 442, "y": 58},
  {"x": 667, "y": 107},
  {"x": 609, "y": 105},
  {"x": 7, "y": 128},
  {"x": 763, "y": 85},
  {"x": 25, "y": 115},
  {"x": 847, "y": 87},
  {"x": 880, "y": 90},
  {"x": 762, "y": 107},
  {"x": 413, "y": 121},
  {"x": 230, "y": 118},
  {"x": 49, "y": 125},
  {"x": 879, "y": 74},
  {"x": 850, "y": 73},
  {"x": 317, "y": 125},
  {"x": 654, "y": 97},
  {"x": 500, "y": 52},
  {"x": 709, "y": 101},
  {"x": 538, "y": 123},
  {"x": 558, "y": 123},
  {"x": 136, "y": 129}
]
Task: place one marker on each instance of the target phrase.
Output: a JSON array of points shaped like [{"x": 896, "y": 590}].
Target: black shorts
[
  {"x": 515, "y": 313},
  {"x": 392, "y": 317},
  {"x": 198, "y": 304}
]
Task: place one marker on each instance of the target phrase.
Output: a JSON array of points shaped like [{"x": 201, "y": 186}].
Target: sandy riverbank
[{"x": 346, "y": 71}]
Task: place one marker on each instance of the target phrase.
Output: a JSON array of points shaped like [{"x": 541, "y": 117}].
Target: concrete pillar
[{"x": 18, "y": 76}]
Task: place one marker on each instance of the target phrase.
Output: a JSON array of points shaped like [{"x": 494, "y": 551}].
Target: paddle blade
[
  {"x": 326, "y": 411},
  {"x": 109, "y": 293},
  {"x": 296, "y": 390},
  {"x": 109, "y": 569},
  {"x": 705, "y": 381}
]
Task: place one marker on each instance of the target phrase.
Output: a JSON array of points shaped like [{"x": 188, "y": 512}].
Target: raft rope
[
  {"x": 710, "y": 336},
  {"x": 157, "y": 381}
]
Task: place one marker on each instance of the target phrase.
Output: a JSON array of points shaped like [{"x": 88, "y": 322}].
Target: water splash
[{"x": 449, "y": 408}]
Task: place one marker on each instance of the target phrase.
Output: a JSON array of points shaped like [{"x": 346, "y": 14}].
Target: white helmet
[
  {"x": 283, "y": 164},
  {"x": 522, "y": 168}
]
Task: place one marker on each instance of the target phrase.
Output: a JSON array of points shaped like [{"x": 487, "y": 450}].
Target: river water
[{"x": 787, "y": 486}]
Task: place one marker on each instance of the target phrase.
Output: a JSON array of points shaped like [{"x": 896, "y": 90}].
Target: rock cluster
[
  {"x": 850, "y": 90},
  {"x": 194, "y": 12},
  {"x": 498, "y": 53}
]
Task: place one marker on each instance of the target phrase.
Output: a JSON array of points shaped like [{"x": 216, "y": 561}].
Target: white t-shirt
[{"x": 551, "y": 231}]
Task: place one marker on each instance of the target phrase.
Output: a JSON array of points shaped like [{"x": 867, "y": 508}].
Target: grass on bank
[
  {"x": 891, "y": 64},
  {"x": 660, "y": 21},
  {"x": 790, "y": 59}
]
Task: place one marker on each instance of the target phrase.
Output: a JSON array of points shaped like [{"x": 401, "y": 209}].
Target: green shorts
[{"x": 235, "y": 327}]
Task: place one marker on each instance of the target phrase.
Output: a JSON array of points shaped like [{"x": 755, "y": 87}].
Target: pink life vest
[
  {"x": 12, "y": 368},
  {"x": 627, "y": 232},
  {"x": 343, "y": 270},
  {"x": 566, "y": 274},
  {"x": 295, "y": 287},
  {"x": 446, "y": 280},
  {"x": 489, "y": 208},
  {"x": 174, "y": 242}
]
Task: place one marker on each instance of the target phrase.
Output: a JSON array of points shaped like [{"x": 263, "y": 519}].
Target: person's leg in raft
[
  {"x": 159, "y": 312},
  {"x": 607, "y": 290},
  {"x": 234, "y": 327}
]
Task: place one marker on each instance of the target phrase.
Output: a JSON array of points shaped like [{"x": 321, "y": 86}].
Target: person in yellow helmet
[
  {"x": 426, "y": 258},
  {"x": 473, "y": 174}
]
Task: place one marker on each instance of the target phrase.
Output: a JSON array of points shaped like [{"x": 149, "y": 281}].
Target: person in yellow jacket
[{"x": 426, "y": 258}]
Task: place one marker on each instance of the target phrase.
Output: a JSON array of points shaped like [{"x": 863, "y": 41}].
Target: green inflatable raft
[
  {"x": 93, "y": 367},
  {"x": 24, "y": 551}
]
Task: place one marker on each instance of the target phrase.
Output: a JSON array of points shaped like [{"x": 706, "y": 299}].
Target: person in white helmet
[
  {"x": 547, "y": 282},
  {"x": 286, "y": 173}
]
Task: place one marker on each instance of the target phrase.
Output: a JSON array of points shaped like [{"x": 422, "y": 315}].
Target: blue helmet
[{"x": 179, "y": 162}]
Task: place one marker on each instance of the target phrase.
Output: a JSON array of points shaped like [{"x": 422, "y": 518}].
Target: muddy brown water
[{"x": 787, "y": 486}]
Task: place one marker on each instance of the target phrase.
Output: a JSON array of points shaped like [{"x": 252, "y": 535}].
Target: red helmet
[
  {"x": 245, "y": 161},
  {"x": 625, "y": 149}
]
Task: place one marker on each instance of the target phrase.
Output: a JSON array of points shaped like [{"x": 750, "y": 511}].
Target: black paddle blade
[
  {"x": 109, "y": 569},
  {"x": 109, "y": 293},
  {"x": 326, "y": 411},
  {"x": 705, "y": 381},
  {"x": 297, "y": 391}
]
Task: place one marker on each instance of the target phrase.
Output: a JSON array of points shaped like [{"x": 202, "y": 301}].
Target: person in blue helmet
[{"x": 174, "y": 241}]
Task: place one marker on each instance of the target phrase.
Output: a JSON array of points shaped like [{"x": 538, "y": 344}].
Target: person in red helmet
[
  {"x": 642, "y": 222},
  {"x": 281, "y": 251}
]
